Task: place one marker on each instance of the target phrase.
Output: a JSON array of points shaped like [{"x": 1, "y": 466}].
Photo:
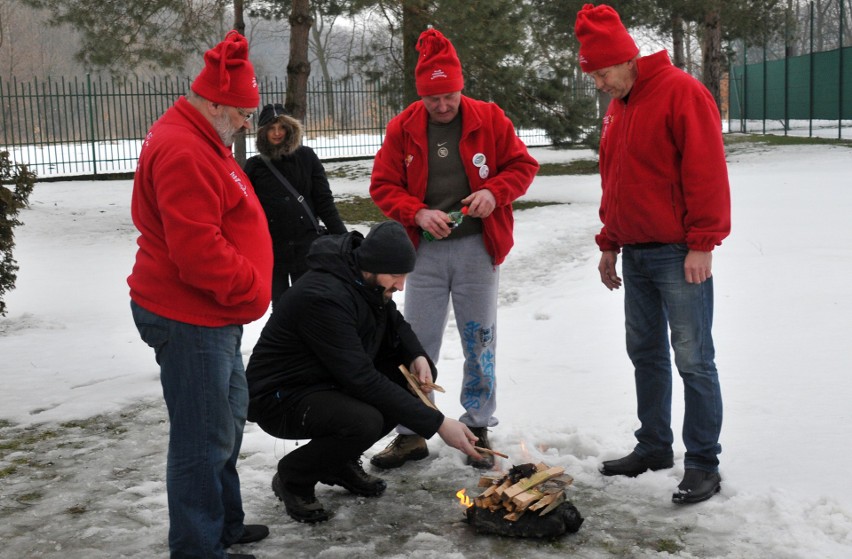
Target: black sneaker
[
  {"x": 302, "y": 508},
  {"x": 632, "y": 465},
  {"x": 354, "y": 479},
  {"x": 697, "y": 486},
  {"x": 487, "y": 461},
  {"x": 402, "y": 449}
]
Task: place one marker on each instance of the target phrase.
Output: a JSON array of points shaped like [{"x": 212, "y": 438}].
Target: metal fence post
[
  {"x": 92, "y": 143},
  {"x": 840, "y": 73}
]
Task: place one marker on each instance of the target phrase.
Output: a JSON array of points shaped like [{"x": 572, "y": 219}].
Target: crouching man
[{"x": 326, "y": 368}]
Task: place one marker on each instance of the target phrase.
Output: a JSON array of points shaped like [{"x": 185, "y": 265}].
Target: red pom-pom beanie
[
  {"x": 228, "y": 76},
  {"x": 438, "y": 68},
  {"x": 603, "y": 39}
]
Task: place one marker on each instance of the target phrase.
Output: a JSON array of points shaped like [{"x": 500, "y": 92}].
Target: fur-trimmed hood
[{"x": 292, "y": 139}]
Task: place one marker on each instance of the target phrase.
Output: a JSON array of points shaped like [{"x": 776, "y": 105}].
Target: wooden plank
[
  {"x": 513, "y": 516},
  {"x": 556, "y": 502},
  {"x": 525, "y": 499},
  {"x": 545, "y": 501},
  {"x": 502, "y": 488},
  {"x": 533, "y": 480},
  {"x": 486, "y": 481}
]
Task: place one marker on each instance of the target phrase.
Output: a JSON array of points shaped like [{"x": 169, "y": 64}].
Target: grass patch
[
  {"x": 29, "y": 498},
  {"x": 521, "y": 205},
  {"x": 574, "y": 167},
  {"x": 27, "y": 440},
  {"x": 352, "y": 171},
  {"x": 668, "y": 546},
  {"x": 775, "y": 140},
  {"x": 361, "y": 209}
]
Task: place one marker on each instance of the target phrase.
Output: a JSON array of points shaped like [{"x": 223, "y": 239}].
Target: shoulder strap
[{"x": 293, "y": 191}]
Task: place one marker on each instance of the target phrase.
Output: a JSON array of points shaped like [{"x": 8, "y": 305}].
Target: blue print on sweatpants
[{"x": 479, "y": 366}]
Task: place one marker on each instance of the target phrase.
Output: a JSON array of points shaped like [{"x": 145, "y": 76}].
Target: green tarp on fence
[{"x": 803, "y": 87}]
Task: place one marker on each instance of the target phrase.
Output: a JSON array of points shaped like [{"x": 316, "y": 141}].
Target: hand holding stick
[
  {"x": 415, "y": 386},
  {"x": 482, "y": 449}
]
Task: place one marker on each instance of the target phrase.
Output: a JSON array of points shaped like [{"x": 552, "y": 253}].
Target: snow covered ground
[{"x": 83, "y": 429}]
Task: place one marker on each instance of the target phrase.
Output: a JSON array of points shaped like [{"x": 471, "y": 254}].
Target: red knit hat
[
  {"x": 438, "y": 68},
  {"x": 603, "y": 39},
  {"x": 228, "y": 77}
]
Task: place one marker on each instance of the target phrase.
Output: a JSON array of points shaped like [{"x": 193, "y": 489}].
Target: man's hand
[
  {"x": 423, "y": 373},
  {"x": 606, "y": 267},
  {"x": 480, "y": 204},
  {"x": 697, "y": 267},
  {"x": 457, "y": 435},
  {"x": 434, "y": 221}
]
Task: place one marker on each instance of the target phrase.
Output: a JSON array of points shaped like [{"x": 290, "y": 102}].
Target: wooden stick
[
  {"x": 434, "y": 386},
  {"x": 489, "y": 451},
  {"x": 415, "y": 386}
]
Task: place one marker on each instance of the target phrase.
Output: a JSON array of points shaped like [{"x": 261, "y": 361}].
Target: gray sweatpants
[{"x": 462, "y": 271}]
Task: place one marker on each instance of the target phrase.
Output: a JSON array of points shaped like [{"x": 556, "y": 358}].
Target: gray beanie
[{"x": 386, "y": 250}]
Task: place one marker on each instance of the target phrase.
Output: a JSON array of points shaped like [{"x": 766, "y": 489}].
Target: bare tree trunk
[
  {"x": 298, "y": 67},
  {"x": 415, "y": 18},
  {"x": 240, "y": 140},
  {"x": 677, "y": 42},
  {"x": 712, "y": 49},
  {"x": 321, "y": 52}
]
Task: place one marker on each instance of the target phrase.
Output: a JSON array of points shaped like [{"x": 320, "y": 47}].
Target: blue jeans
[
  {"x": 204, "y": 385},
  {"x": 658, "y": 298}
]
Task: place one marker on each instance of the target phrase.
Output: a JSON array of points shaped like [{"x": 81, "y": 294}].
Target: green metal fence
[
  {"x": 794, "y": 92},
  {"x": 93, "y": 126}
]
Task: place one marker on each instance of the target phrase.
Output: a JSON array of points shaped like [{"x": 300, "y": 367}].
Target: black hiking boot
[
  {"x": 354, "y": 479},
  {"x": 300, "y": 507}
]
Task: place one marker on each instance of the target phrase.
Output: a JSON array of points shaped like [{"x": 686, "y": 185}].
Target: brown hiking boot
[
  {"x": 487, "y": 461},
  {"x": 402, "y": 449}
]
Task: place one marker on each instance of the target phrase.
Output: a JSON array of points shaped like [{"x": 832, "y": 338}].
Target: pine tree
[
  {"x": 157, "y": 34},
  {"x": 11, "y": 202}
]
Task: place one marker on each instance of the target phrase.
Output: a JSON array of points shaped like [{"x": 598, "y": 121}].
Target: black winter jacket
[
  {"x": 329, "y": 331},
  {"x": 285, "y": 214}
]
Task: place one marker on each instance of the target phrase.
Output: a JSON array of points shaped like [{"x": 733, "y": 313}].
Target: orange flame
[{"x": 464, "y": 499}]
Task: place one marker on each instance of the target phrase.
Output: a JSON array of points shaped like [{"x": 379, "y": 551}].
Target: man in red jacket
[
  {"x": 442, "y": 153},
  {"x": 203, "y": 269},
  {"x": 665, "y": 206}
]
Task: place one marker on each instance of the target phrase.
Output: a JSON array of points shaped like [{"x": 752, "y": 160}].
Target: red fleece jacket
[
  {"x": 398, "y": 184},
  {"x": 662, "y": 162},
  {"x": 205, "y": 256}
]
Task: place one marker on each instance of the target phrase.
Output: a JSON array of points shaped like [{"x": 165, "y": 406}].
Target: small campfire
[{"x": 528, "y": 502}]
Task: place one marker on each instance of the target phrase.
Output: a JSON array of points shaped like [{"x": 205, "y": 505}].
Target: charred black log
[{"x": 564, "y": 518}]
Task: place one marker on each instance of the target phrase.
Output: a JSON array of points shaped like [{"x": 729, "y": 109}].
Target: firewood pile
[{"x": 529, "y": 501}]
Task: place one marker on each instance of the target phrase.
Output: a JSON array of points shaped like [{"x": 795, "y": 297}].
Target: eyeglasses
[{"x": 246, "y": 116}]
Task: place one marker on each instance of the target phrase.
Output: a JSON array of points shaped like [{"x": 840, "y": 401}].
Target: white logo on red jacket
[
  {"x": 607, "y": 120},
  {"x": 239, "y": 182}
]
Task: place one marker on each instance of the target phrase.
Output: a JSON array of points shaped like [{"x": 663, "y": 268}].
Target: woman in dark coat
[{"x": 279, "y": 141}]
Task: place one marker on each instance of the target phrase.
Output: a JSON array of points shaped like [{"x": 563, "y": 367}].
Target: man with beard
[
  {"x": 202, "y": 271},
  {"x": 326, "y": 368}
]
